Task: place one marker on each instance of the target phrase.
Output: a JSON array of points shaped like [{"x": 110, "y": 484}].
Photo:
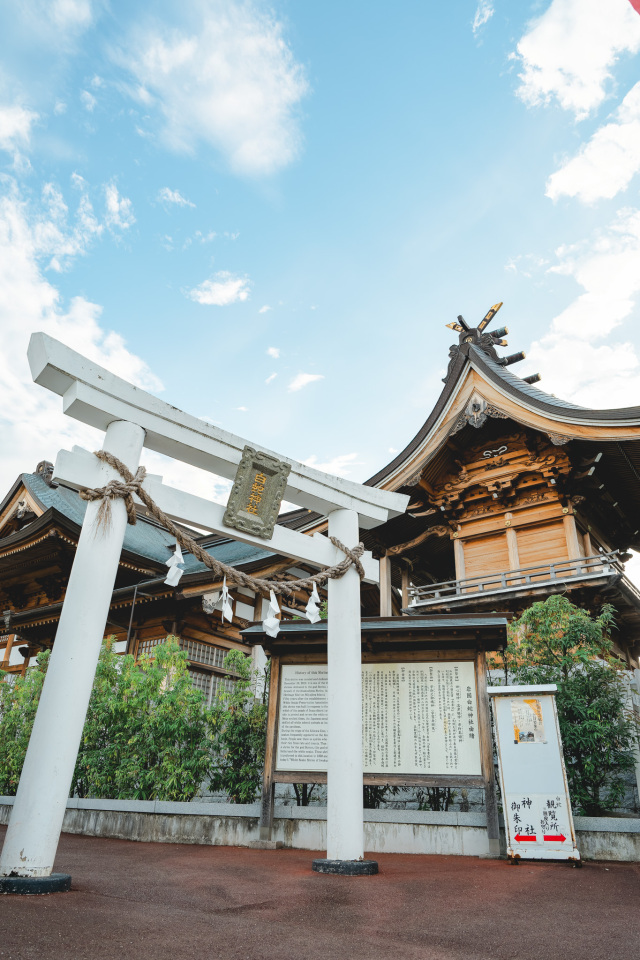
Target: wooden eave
[{"x": 53, "y": 524}]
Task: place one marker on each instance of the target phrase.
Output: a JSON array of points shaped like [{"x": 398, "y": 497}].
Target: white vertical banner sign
[{"x": 535, "y": 793}]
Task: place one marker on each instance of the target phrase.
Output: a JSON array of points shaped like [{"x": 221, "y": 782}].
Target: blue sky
[{"x": 268, "y": 213}]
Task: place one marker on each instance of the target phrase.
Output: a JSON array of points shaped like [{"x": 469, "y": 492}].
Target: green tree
[
  {"x": 239, "y": 723},
  {"x": 147, "y": 735},
  {"x": 556, "y": 642},
  {"x": 18, "y": 704}
]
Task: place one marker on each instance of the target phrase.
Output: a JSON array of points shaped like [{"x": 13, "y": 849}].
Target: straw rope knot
[
  {"x": 133, "y": 484},
  {"x": 116, "y": 489}
]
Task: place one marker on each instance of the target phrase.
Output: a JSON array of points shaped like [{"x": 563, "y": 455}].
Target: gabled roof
[{"x": 473, "y": 372}]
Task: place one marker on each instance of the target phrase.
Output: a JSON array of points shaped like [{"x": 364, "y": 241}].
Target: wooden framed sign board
[
  {"x": 533, "y": 780},
  {"x": 425, "y": 707}
]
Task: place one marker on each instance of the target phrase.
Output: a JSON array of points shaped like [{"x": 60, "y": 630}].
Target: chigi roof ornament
[{"x": 486, "y": 341}]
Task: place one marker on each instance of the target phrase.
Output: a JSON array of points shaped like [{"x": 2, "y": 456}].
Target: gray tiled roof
[{"x": 144, "y": 538}]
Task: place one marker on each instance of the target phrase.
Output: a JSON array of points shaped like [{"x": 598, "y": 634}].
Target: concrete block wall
[{"x": 386, "y": 831}]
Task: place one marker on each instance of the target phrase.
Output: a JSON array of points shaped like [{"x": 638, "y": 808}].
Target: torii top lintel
[{"x": 97, "y": 397}]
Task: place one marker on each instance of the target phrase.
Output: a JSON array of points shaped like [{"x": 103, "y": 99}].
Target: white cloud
[
  {"x": 273, "y": 352},
  {"x": 166, "y": 195},
  {"x": 574, "y": 366},
  {"x": 339, "y": 466},
  {"x": 568, "y": 52},
  {"x": 271, "y": 377},
  {"x": 242, "y": 409},
  {"x": 607, "y": 163},
  {"x": 484, "y": 12},
  {"x": 227, "y": 79},
  {"x": 15, "y": 128},
  {"x": 88, "y": 100},
  {"x": 303, "y": 379},
  {"x": 264, "y": 309},
  {"x": 70, "y": 14},
  {"x": 59, "y": 107},
  {"x": 221, "y": 291},
  {"x": 119, "y": 209},
  {"x": 34, "y": 427}
]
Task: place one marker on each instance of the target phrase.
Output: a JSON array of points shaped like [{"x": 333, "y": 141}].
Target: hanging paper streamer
[
  {"x": 312, "y": 609},
  {"x": 271, "y": 623},
  {"x": 176, "y": 565},
  {"x": 225, "y": 605}
]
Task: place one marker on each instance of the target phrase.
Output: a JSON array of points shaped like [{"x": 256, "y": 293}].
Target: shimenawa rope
[{"x": 124, "y": 489}]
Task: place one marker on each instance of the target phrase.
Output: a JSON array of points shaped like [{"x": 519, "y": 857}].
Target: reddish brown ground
[{"x": 143, "y": 901}]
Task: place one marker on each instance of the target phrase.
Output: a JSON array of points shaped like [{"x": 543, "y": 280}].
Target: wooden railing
[{"x": 583, "y": 568}]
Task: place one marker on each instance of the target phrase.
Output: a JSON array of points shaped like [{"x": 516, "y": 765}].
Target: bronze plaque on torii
[{"x": 256, "y": 496}]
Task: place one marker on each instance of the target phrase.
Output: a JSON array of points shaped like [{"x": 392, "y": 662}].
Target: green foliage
[
  {"x": 239, "y": 723},
  {"x": 556, "y": 642},
  {"x": 18, "y": 704},
  {"x": 147, "y": 735},
  {"x": 435, "y": 798}
]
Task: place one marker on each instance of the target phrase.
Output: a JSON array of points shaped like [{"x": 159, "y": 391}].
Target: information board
[
  {"x": 417, "y": 718},
  {"x": 535, "y": 795}
]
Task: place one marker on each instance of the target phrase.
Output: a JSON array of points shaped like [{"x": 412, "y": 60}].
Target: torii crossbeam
[{"x": 133, "y": 419}]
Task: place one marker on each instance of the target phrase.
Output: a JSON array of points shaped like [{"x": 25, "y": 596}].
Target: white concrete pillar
[
  {"x": 386, "y": 608},
  {"x": 36, "y": 820},
  {"x": 345, "y": 830}
]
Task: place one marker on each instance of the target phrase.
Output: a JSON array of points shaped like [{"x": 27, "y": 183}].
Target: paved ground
[{"x": 143, "y": 901}]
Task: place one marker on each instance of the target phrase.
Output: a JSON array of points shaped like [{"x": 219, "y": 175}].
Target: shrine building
[{"x": 514, "y": 495}]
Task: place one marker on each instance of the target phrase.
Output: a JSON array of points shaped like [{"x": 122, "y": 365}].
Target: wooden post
[
  {"x": 36, "y": 820},
  {"x": 512, "y": 547},
  {"x": 268, "y": 786},
  {"x": 458, "y": 553},
  {"x": 405, "y": 586},
  {"x": 573, "y": 544},
  {"x": 486, "y": 755},
  {"x": 385, "y": 587}
]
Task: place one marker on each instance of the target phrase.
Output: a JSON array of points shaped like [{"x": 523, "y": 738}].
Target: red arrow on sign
[
  {"x": 525, "y": 836},
  {"x": 549, "y": 836}
]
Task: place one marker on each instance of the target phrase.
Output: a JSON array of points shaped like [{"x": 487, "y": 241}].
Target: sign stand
[
  {"x": 533, "y": 780},
  {"x": 425, "y": 716},
  {"x": 133, "y": 419}
]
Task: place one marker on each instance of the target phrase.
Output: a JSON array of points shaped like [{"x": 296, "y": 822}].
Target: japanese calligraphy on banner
[
  {"x": 416, "y": 718},
  {"x": 254, "y": 501}
]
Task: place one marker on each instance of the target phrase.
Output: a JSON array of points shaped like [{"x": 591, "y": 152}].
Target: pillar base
[
  {"x": 54, "y": 883},
  {"x": 346, "y": 868}
]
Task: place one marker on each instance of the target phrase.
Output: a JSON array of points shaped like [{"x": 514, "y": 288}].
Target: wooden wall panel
[
  {"x": 486, "y": 555},
  {"x": 542, "y": 545}
]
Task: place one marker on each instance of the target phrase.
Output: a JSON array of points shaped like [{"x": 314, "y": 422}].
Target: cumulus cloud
[
  {"x": 568, "y": 52},
  {"x": 339, "y": 466},
  {"x": 484, "y": 11},
  {"x": 606, "y": 164},
  {"x": 227, "y": 79},
  {"x": 606, "y": 268},
  {"x": 273, "y": 351},
  {"x": 264, "y": 309},
  {"x": 271, "y": 378},
  {"x": 119, "y": 215},
  {"x": 222, "y": 290},
  {"x": 34, "y": 427},
  {"x": 303, "y": 379},
  {"x": 15, "y": 128},
  {"x": 88, "y": 101},
  {"x": 166, "y": 195}
]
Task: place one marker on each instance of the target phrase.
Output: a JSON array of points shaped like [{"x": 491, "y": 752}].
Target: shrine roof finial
[{"x": 485, "y": 340}]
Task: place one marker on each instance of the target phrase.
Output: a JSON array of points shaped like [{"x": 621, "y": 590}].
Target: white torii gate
[{"x": 133, "y": 419}]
